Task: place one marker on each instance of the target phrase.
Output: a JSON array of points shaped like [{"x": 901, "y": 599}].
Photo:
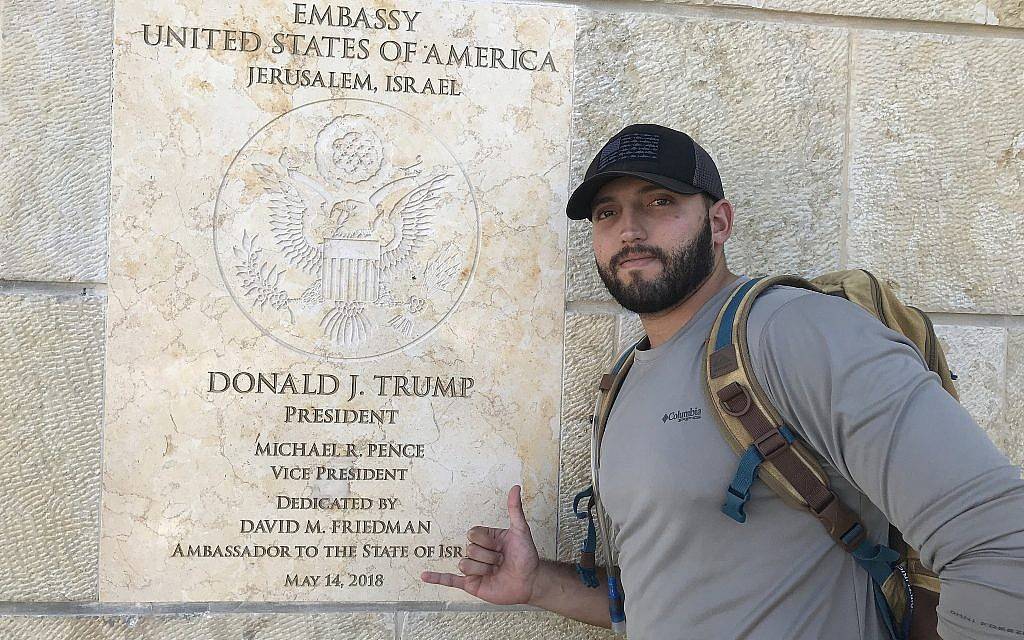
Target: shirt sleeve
[{"x": 862, "y": 397}]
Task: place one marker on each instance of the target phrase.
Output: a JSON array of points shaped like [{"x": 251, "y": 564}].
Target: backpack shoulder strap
[
  {"x": 770, "y": 450},
  {"x": 608, "y": 388},
  {"x": 754, "y": 429}
]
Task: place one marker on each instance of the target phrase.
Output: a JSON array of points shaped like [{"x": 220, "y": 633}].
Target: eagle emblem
[{"x": 341, "y": 224}]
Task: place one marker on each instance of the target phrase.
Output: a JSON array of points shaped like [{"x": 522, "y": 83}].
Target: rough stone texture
[
  {"x": 50, "y": 417},
  {"x": 1007, "y": 13},
  {"x": 201, "y": 627},
  {"x": 55, "y": 134},
  {"x": 989, "y": 364},
  {"x": 763, "y": 99},
  {"x": 977, "y": 355},
  {"x": 1004, "y": 12},
  {"x": 518, "y": 625},
  {"x": 590, "y": 342},
  {"x": 1008, "y": 431},
  {"x": 630, "y": 330},
  {"x": 937, "y": 170}
]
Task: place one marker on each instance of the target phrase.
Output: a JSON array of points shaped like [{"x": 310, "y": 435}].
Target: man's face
[{"x": 653, "y": 246}]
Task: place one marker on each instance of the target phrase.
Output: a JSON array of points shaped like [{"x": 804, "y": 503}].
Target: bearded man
[{"x": 896, "y": 446}]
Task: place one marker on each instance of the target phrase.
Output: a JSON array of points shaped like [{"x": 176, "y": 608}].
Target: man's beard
[{"x": 683, "y": 272}]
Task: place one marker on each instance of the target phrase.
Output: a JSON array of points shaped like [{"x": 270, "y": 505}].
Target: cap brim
[{"x": 578, "y": 207}]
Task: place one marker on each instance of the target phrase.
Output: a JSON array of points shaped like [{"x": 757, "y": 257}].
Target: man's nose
[{"x": 632, "y": 227}]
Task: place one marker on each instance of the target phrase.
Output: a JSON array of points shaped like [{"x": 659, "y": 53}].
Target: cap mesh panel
[{"x": 705, "y": 174}]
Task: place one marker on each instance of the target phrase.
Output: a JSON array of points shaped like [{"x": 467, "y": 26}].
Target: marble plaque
[{"x": 336, "y": 293}]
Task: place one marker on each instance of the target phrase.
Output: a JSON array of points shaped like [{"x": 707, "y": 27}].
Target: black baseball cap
[{"x": 664, "y": 156}]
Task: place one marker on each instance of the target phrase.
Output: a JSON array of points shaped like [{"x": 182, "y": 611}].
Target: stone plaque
[{"x": 336, "y": 293}]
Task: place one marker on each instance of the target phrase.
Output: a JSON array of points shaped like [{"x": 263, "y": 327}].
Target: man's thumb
[{"x": 516, "y": 517}]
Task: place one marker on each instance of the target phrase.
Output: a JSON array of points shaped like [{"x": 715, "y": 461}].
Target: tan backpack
[{"x": 906, "y": 593}]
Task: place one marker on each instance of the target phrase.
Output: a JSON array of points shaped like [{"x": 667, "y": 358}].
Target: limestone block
[
  {"x": 590, "y": 343},
  {"x": 937, "y": 169},
  {"x": 520, "y": 625},
  {"x": 977, "y": 356},
  {"x": 989, "y": 364},
  {"x": 1007, "y": 13},
  {"x": 630, "y": 330},
  {"x": 50, "y": 417},
  {"x": 766, "y": 100},
  {"x": 581, "y": 279},
  {"x": 589, "y": 347},
  {"x": 359, "y": 626},
  {"x": 55, "y": 133},
  {"x": 1008, "y": 432}
]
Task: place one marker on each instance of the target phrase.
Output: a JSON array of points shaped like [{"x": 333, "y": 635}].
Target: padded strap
[
  {"x": 609, "y": 387},
  {"x": 754, "y": 427},
  {"x": 724, "y": 334},
  {"x": 770, "y": 450}
]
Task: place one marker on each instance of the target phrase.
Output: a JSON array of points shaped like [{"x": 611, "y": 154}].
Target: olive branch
[{"x": 260, "y": 279}]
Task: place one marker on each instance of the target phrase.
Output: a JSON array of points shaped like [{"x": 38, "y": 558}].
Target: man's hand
[{"x": 501, "y": 565}]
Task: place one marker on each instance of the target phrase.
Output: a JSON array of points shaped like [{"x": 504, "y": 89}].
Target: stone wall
[{"x": 885, "y": 135}]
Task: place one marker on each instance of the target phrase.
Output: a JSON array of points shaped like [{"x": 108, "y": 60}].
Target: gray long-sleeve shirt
[{"x": 893, "y": 442}]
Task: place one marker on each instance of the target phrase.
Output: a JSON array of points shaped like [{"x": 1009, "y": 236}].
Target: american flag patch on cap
[{"x": 630, "y": 147}]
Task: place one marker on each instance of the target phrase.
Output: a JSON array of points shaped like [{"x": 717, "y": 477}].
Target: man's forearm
[{"x": 559, "y": 589}]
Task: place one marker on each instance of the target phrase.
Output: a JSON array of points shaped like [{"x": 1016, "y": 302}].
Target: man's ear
[{"x": 720, "y": 217}]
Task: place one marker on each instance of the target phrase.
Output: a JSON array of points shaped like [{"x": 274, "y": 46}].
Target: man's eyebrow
[{"x": 600, "y": 200}]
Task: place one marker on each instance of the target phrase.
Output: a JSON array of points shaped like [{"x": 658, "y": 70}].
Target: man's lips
[{"x": 636, "y": 262}]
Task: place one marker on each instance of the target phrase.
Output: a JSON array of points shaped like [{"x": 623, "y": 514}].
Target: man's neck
[{"x": 663, "y": 325}]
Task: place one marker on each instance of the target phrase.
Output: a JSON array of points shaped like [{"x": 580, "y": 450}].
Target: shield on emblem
[{"x": 350, "y": 269}]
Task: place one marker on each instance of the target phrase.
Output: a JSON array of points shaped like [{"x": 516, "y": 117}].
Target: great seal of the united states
[{"x": 346, "y": 229}]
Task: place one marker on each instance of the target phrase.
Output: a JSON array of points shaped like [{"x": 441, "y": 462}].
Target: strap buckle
[
  {"x": 734, "y": 503},
  {"x": 771, "y": 444}
]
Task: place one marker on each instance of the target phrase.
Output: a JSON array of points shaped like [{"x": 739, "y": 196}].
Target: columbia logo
[{"x": 682, "y": 416}]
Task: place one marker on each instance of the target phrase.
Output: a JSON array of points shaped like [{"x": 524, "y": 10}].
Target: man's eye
[
  {"x": 602, "y": 214},
  {"x": 661, "y": 202}
]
